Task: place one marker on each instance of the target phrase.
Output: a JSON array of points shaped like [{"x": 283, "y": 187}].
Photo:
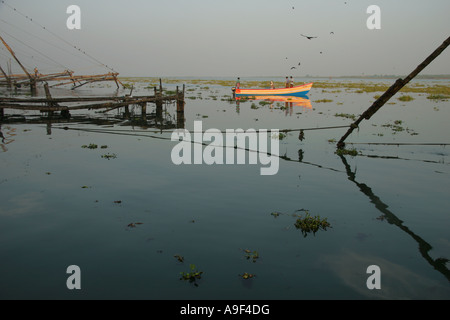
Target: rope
[
  {"x": 36, "y": 50},
  {"x": 402, "y": 143},
  {"x": 43, "y": 40},
  {"x": 203, "y": 131},
  {"x": 57, "y": 36}
]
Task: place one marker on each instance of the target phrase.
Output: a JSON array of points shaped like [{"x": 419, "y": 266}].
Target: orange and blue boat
[{"x": 296, "y": 91}]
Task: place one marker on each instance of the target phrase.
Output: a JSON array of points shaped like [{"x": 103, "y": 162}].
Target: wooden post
[
  {"x": 398, "y": 85},
  {"x": 14, "y": 56},
  {"x": 49, "y": 100},
  {"x": 8, "y": 79},
  {"x": 180, "y": 108},
  {"x": 127, "y": 112},
  {"x": 158, "y": 96},
  {"x": 144, "y": 110}
]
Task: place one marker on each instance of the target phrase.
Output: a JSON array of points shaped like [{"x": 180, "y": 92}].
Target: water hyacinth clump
[{"x": 310, "y": 224}]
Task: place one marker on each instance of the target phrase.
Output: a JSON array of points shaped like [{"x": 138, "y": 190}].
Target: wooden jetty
[{"x": 65, "y": 105}]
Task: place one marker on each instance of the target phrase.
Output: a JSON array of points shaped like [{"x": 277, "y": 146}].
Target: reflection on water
[
  {"x": 6, "y": 137},
  {"x": 286, "y": 103},
  {"x": 438, "y": 264},
  {"x": 62, "y": 204}
]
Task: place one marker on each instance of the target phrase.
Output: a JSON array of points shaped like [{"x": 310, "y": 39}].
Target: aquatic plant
[
  {"x": 405, "y": 98},
  {"x": 275, "y": 214},
  {"x": 193, "y": 275},
  {"x": 179, "y": 258},
  {"x": 346, "y": 115},
  {"x": 351, "y": 152},
  {"x": 251, "y": 255},
  {"x": 133, "y": 224},
  {"x": 247, "y": 275},
  {"x": 109, "y": 156},
  {"x": 438, "y": 97},
  {"x": 323, "y": 100},
  {"x": 90, "y": 146},
  {"x": 310, "y": 224}
]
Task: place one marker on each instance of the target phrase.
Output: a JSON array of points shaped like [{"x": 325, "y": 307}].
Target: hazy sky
[{"x": 227, "y": 38}]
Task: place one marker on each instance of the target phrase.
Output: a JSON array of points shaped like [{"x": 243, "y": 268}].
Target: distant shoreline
[
  {"x": 418, "y": 77},
  {"x": 425, "y": 77}
]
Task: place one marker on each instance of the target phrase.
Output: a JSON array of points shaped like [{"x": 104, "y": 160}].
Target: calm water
[{"x": 64, "y": 205}]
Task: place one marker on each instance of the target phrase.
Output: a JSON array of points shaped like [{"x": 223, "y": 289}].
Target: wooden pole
[
  {"x": 14, "y": 56},
  {"x": 144, "y": 111},
  {"x": 398, "y": 85},
  {"x": 49, "y": 99},
  {"x": 8, "y": 79}
]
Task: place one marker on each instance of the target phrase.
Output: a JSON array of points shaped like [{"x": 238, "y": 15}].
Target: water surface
[{"x": 62, "y": 204}]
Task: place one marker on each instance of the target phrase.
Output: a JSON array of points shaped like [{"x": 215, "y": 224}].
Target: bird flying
[{"x": 309, "y": 37}]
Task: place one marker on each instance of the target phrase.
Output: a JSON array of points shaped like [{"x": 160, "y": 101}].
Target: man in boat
[
  {"x": 272, "y": 85},
  {"x": 291, "y": 82},
  {"x": 288, "y": 84},
  {"x": 238, "y": 83}
]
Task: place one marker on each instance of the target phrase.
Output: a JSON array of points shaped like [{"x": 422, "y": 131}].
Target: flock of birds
[{"x": 309, "y": 38}]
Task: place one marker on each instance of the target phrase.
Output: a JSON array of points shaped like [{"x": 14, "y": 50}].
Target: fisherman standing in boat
[
  {"x": 292, "y": 82},
  {"x": 238, "y": 83},
  {"x": 272, "y": 85},
  {"x": 287, "y": 83}
]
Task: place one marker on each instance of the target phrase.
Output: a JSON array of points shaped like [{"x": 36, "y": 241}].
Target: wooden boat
[{"x": 294, "y": 91}]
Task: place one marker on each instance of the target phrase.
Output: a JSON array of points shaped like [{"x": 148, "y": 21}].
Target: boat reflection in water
[
  {"x": 286, "y": 103},
  {"x": 289, "y": 101}
]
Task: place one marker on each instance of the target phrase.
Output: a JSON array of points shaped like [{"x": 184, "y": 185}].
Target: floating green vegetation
[
  {"x": 179, "y": 258},
  {"x": 350, "y": 152},
  {"x": 405, "y": 98},
  {"x": 397, "y": 127},
  {"x": 254, "y": 106},
  {"x": 310, "y": 224},
  {"x": 128, "y": 85},
  {"x": 90, "y": 146},
  {"x": 251, "y": 255},
  {"x": 367, "y": 86},
  {"x": 134, "y": 224},
  {"x": 323, "y": 100},
  {"x": 109, "y": 156},
  {"x": 438, "y": 97},
  {"x": 379, "y": 87},
  {"x": 247, "y": 275},
  {"x": 104, "y": 147},
  {"x": 191, "y": 276},
  {"x": 346, "y": 115},
  {"x": 276, "y": 214}
]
